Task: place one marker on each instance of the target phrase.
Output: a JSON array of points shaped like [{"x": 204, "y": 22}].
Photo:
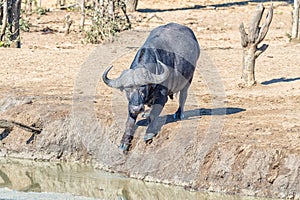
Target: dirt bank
[{"x": 234, "y": 140}]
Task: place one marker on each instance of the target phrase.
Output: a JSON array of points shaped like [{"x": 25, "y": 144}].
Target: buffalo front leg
[
  {"x": 156, "y": 109},
  {"x": 129, "y": 131}
]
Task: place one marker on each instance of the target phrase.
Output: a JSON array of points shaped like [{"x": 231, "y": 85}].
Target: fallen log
[{"x": 9, "y": 125}]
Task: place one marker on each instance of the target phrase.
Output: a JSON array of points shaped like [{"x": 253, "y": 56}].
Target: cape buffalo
[{"x": 163, "y": 66}]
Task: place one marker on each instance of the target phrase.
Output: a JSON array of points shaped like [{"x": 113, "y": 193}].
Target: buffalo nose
[{"x": 139, "y": 108}]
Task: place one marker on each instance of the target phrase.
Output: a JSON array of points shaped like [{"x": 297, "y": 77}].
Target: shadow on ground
[
  {"x": 222, "y": 5},
  {"x": 278, "y": 80},
  {"x": 196, "y": 113}
]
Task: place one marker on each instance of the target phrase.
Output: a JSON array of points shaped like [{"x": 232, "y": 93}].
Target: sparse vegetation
[
  {"x": 24, "y": 24},
  {"x": 107, "y": 20},
  {"x": 289, "y": 36},
  {"x": 41, "y": 11},
  {"x": 5, "y": 40}
]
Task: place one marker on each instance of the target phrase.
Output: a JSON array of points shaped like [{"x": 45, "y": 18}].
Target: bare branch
[
  {"x": 244, "y": 35},
  {"x": 265, "y": 27},
  {"x": 111, "y": 9},
  {"x": 101, "y": 5},
  {"x": 10, "y": 124},
  {"x": 260, "y": 50},
  {"x": 253, "y": 28}
]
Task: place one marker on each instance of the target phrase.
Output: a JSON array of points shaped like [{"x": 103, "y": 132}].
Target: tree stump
[
  {"x": 82, "y": 11},
  {"x": 250, "y": 43},
  {"x": 131, "y": 5},
  {"x": 68, "y": 23},
  {"x": 295, "y": 26}
]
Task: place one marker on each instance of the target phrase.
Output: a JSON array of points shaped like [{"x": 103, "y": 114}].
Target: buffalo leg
[
  {"x": 182, "y": 98},
  {"x": 129, "y": 131},
  {"x": 154, "y": 114}
]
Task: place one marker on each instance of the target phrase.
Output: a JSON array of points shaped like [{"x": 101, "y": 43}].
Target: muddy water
[{"x": 24, "y": 180}]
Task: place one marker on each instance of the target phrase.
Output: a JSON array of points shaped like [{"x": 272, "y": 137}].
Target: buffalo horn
[{"x": 137, "y": 76}]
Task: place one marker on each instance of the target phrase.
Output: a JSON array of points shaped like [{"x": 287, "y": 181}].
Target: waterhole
[{"x": 27, "y": 180}]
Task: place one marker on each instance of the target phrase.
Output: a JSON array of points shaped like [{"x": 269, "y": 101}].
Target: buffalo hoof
[
  {"x": 148, "y": 138},
  {"x": 177, "y": 116},
  {"x": 124, "y": 147},
  {"x": 148, "y": 142},
  {"x": 125, "y": 142},
  {"x": 146, "y": 115}
]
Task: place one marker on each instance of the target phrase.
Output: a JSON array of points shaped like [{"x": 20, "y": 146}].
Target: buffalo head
[{"x": 136, "y": 83}]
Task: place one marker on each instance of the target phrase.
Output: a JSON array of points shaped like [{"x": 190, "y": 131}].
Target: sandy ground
[
  {"x": 42, "y": 73},
  {"x": 47, "y": 64}
]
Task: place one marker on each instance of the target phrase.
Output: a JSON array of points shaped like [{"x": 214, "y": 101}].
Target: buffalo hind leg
[
  {"x": 179, "y": 115},
  {"x": 156, "y": 109}
]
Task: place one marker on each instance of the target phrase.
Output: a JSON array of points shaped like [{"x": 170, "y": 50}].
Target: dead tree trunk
[
  {"x": 4, "y": 19},
  {"x": 15, "y": 28},
  {"x": 1, "y": 12},
  {"x": 82, "y": 10},
  {"x": 295, "y": 26},
  {"x": 111, "y": 9},
  {"x": 10, "y": 31},
  {"x": 131, "y": 5},
  {"x": 250, "y": 42}
]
